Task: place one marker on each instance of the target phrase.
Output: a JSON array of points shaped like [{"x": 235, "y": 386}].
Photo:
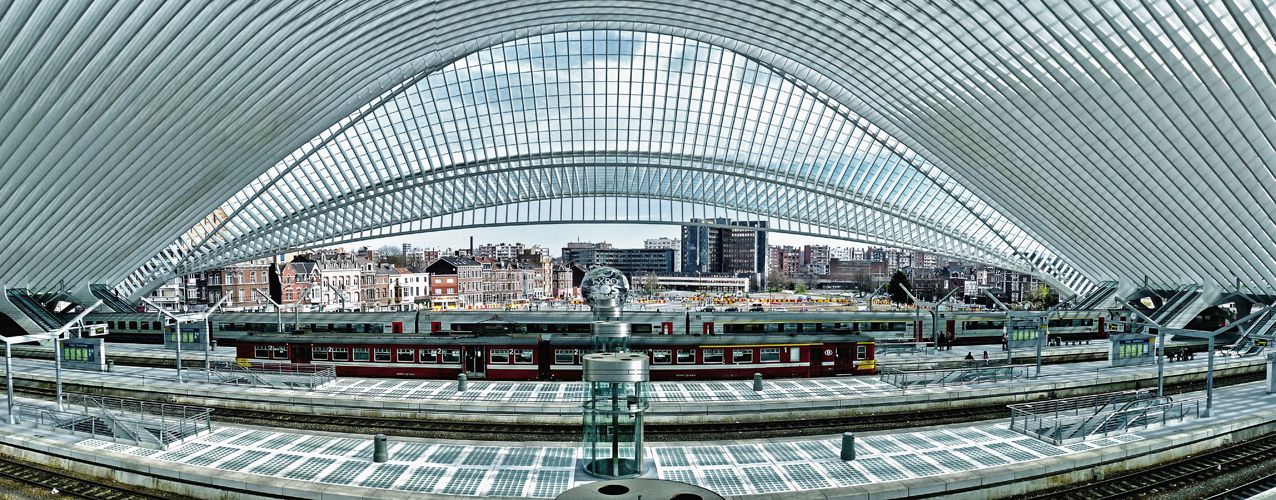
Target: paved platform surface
[
  {"x": 272, "y": 458},
  {"x": 672, "y": 391}
]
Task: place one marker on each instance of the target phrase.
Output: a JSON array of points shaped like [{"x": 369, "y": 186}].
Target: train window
[
  {"x": 769, "y": 355},
  {"x": 861, "y": 352},
  {"x": 500, "y": 356},
  {"x": 381, "y": 355},
  {"x": 564, "y": 356},
  {"x": 376, "y": 328},
  {"x": 406, "y": 356},
  {"x": 339, "y": 353},
  {"x": 523, "y": 356},
  {"x": 795, "y": 354},
  {"x": 742, "y": 355},
  {"x": 429, "y": 355},
  {"x": 640, "y": 328},
  {"x": 260, "y": 351},
  {"x": 318, "y": 353},
  {"x": 132, "y": 325},
  {"x": 661, "y": 357},
  {"x": 451, "y": 355},
  {"x": 686, "y": 356},
  {"x": 281, "y": 352},
  {"x": 712, "y": 356},
  {"x": 361, "y": 354}
]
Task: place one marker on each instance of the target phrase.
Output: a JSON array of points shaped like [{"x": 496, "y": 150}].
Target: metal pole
[
  {"x": 57, "y": 367},
  {"x": 8, "y": 378},
  {"x": 177, "y": 334},
  {"x": 1209, "y": 381},
  {"x": 1160, "y": 361},
  {"x": 1040, "y": 339},
  {"x": 208, "y": 340}
]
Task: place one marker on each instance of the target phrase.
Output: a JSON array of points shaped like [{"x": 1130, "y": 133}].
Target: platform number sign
[
  {"x": 191, "y": 335},
  {"x": 1022, "y": 333}
]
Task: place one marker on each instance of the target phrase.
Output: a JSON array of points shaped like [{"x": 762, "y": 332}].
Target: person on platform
[
  {"x": 985, "y": 358},
  {"x": 970, "y": 358}
]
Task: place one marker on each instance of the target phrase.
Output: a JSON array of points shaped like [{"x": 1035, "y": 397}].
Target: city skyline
[{"x": 556, "y": 236}]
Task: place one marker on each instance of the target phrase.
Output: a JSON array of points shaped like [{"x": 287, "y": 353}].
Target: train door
[
  {"x": 435, "y": 326},
  {"x": 917, "y": 329},
  {"x": 822, "y": 358},
  {"x": 666, "y": 328},
  {"x": 707, "y": 328},
  {"x": 544, "y": 355},
  {"x": 474, "y": 361},
  {"x": 396, "y": 327},
  {"x": 299, "y": 353},
  {"x": 844, "y": 358}
]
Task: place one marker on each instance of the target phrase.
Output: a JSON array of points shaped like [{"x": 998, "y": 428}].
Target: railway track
[
  {"x": 1246, "y": 490},
  {"x": 1173, "y": 476},
  {"x": 41, "y": 477}
]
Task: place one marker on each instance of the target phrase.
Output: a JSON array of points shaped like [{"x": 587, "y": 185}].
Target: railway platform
[
  {"x": 974, "y": 461},
  {"x": 676, "y": 401}
]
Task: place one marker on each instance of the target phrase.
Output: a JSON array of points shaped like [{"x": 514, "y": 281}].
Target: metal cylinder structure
[
  {"x": 610, "y": 336},
  {"x": 616, "y": 398},
  {"x": 636, "y": 489}
]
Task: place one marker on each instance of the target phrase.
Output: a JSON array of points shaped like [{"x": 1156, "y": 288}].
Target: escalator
[
  {"x": 1096, "y": 297},
  {"x": 22, "y": 299},
  {"x": 110, "y": 299}
]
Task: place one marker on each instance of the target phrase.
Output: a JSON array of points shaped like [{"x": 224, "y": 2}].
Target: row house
[
  {"x": 502, "y": 281},
  {"x": 374, "y": 286},
  {"x": 241, "y": 283},
  {"x": 409, "y": 288},
  {"x": 456, "y": 282},
  {"x": 561, "y": 283}
]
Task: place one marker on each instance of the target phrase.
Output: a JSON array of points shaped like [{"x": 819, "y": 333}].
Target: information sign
[
  {"x": 192, "y": 336},
  {"x": 1131, "y": 349},
  {"x": 1023, "y": 333},
  {"x": 84, "y": 354}
]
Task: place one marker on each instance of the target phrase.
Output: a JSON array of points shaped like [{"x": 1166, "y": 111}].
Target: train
[
  {"x": 559, "y": 356},
  {"x": 956, "y": 327}
]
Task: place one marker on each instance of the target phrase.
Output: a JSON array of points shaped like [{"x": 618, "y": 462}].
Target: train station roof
[{"x": 1084, "y": 142}]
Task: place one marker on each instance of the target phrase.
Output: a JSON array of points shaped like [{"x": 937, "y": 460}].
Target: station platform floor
[
  {"x": 673, "y": 401},
  {"x": 887, "y": 465}
]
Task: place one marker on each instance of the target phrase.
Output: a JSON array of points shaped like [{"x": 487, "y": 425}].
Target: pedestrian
[
  {"x": 985, "y": 357},
  {"x": 970, "y": 358}
]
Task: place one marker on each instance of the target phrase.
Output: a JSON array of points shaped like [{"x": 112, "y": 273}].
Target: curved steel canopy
[
  {"x": 613, "y": 126},
  {"x": 1133, "y": 139}
]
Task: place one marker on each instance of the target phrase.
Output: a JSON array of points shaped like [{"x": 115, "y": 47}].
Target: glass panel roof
[{"x": 587, "y": 122}]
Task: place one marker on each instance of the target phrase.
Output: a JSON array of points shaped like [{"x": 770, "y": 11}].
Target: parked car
[
  {"x": 732, "y": 309},
  {"x": 779, "y": 309},
  {"x": 756, "y": 308},
  {"x": 708, "y": 309}
]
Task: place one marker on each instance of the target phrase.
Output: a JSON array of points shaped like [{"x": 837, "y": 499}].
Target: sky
[{"x": 556, "y": 236}]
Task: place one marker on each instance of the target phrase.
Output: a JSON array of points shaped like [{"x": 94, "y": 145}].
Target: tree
[
  {"x": 1042, "y": 297},
  {"x": 777, "y": 281},
  {"x": 392, "y": 255},
  {"x": 896, "y": 291},
  {"x": 650, "y": 283}
]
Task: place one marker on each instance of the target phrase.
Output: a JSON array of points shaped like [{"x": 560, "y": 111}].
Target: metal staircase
[
  {"x": 275, "y": 375},
  {"x": 21, "y": 298},
  {"x": 108, "y": 297},
  {"x": 1096, "y": 297},
  {"x": 1182, "y": 297},
  {"x": 141, "y": 423}
]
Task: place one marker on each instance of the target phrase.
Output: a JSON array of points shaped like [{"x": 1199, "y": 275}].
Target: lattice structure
[{"x": 607, "y": 126}]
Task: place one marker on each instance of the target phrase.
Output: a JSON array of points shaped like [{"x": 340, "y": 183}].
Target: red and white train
[{"x": 558, "y": 357}]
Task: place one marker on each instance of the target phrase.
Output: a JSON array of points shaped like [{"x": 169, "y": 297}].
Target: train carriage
[{"x": 558, "y": 357}]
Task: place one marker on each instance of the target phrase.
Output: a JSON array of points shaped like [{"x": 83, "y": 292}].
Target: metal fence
[
  {"x": 142, "y": 423},
  {"x": 1077, "y": 419},
  {"x": 968, "y": 373},
  {"x": 277, "y": 375}
]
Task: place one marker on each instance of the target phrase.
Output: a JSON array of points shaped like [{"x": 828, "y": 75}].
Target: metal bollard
[
  {"x": 110, "y": 365},
  {"x": 757, "y": 382},
  {"x": 212, "y": 345},
  {"x": 379, "y": 453},
  {"x": 461, "y": 383},
  {"x": 848, "y": 446}
]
